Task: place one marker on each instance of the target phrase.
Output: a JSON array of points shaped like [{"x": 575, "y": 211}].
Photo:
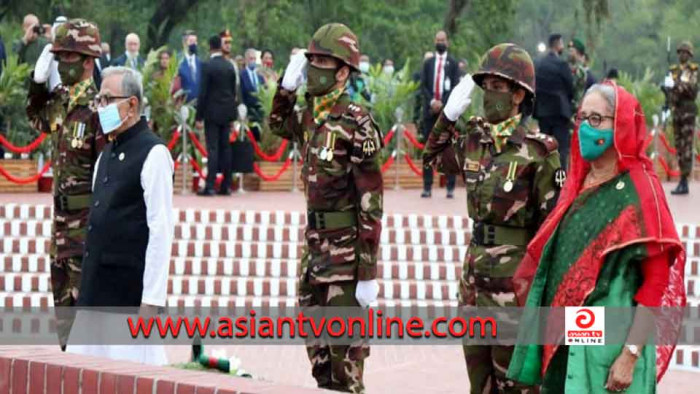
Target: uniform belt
[
  {"x": 489, "y": 234},
  {"x": 330, "y": 220},
  {"x": 72, "y": 203}
]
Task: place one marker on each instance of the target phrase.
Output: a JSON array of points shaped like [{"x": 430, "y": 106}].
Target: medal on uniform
[
  {"x": 81, "y": 134},
  {"x": 323, "y": 154},
  {"x": 121, "y": 156},
  {"x": 508, "y": 185},
  {"x": 329, "y": 156},
  {"x": 74, "y": 143}
]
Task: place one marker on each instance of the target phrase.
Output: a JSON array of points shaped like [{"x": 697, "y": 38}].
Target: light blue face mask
[
  {"x": 109, "y": 118},
  {"x": 593, "y": 142}
]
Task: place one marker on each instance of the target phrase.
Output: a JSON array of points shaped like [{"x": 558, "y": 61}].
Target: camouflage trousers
[
  {"x": 65, "y": 282},
  {"x": 683, "y": 132},
  {"x": 487, "y": 365},
  {"x": 337, "y": 367}
]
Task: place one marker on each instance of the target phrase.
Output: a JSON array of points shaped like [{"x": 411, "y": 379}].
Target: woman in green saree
[{"x": 611, "y": 242}]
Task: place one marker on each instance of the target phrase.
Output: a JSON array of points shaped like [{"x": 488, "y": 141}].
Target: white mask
[
  {"x": 389, "y": 70},
  {"x": 364, "y": 67}
]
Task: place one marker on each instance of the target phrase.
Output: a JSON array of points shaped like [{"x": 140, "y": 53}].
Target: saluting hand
[
  {"x": 294, "y": 74},
  {"x": 459, "y": 98}
]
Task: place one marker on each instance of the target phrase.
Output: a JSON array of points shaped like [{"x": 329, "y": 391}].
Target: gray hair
[
  {"x": 250, "y": 51},
  {"x": 132, "y": 84},
  {"x": 606, "y": 91}
]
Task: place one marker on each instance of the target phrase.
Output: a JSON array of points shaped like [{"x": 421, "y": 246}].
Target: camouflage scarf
[
  {"x": 502, "y": 131},
  {"x": 324, "y": 104},
  {"x": 77, "y": 91}
]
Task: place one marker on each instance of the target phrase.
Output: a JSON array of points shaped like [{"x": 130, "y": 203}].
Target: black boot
[{"x": 682, "y": 187}]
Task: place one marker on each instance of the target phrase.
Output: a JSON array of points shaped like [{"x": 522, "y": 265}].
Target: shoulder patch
[
  {"x": 693, "y": 66},
  {"x": 673, "y": 67},
  {"x": 548, "y": 142}
]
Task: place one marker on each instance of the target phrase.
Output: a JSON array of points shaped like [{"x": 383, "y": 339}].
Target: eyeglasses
[
  {"x": 593, "y": 119},
  {"x": 105, "y": 100}
]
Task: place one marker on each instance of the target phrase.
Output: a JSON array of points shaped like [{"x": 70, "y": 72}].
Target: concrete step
[
  {"x": 255, "y": 286},
  {"x": 273, "y": 268},
  {"x": 221, "y": 216},
  {"x": 278, "y": 250},
  {"x": 243, "y": 232}
]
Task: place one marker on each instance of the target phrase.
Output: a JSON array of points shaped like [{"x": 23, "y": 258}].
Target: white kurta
[{"x": 157, "y": 184}]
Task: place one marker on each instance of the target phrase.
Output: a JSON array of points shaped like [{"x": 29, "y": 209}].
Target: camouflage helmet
[
  {"x": 78, "y": 35},
  {"x": 685, "y": 46},
  {"x": 511, "y": 62},
  {"x": 338, "y": 41}
]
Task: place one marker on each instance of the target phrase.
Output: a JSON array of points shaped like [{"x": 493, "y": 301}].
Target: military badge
[
  {"x": 560, "y": 178},
  {"x": 473, "y": 167},
  {"x": 369, "y": 148}
]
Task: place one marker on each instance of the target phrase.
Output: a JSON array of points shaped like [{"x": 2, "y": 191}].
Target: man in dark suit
[
  {"x": 131, "y": 58},
  {"x": 555, "y": 92},
  {"x": 216, "y": 107},
  {"x": 440, "y": 74},
  {"x": 190, "y": 67},
  {"x": 251, "y": 83}
]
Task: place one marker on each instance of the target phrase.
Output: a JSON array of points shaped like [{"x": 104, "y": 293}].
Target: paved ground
[
  {"x": 389, "y": 369},
  {"x": 685, "y": 209}
]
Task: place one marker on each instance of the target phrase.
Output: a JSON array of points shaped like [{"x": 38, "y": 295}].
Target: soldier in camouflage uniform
[
  {"x": 583, "y": 79},
  {"x": 513, "y": 177},
  {"x": 684, "y": 90},
  {"x": 70, "y": 115},
  {"x": 343, "y": 186}
]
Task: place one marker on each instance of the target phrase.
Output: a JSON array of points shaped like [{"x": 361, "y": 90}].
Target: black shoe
[
  {"x": 450, "y": 194},
  {"x": 224, "y": 192},
  {"x": 206, "y": 193},
  {"x": 682, "y": 187},
  {"x": 426, "y": 194}
]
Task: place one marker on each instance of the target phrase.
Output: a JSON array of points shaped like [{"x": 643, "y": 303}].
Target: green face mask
[
  {"x": 593, "y": 142},
  {"x": 71, "y": 72},
  {"x": 320, "y": 80},
  {"x": 497, "y": 106}
]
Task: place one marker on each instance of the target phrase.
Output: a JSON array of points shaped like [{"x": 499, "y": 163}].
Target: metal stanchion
[
  {"x": 295, "y": 155},
  {"x": 242, "y": 129},
  {"x": 184, "y": 115}
]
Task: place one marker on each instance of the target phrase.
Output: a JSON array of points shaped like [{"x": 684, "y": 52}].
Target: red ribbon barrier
[
  {"x": 389, "y": 135},
  {"x": 276, "y": 156},
  {"x": 23, "y": 181},
  {"x": 198, "y": 144},
  {"x": 667, "y": 168},
  {"x": 275, "y": 177},
  {"x": 23, "y": 149},
  {"x": 388, "y": 163},
  {"x": 196, "y": 167},
  {"x": 410, "y": 137},
  {"x": 413, "y": 166},
  {"x": 173, "y": 139},
  {"x": 668, "y": 146}
]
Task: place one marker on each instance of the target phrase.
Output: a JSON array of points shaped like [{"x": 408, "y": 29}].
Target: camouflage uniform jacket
[
  {"x": 348, "y": 180},
  {"x": 76, "y": 141},
  {"x": 685, "y": 89},
  {"x": 580, "y": 76},
  {"x": 513, "y": 190}
]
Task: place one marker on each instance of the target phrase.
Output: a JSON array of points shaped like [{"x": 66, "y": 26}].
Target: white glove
[
  {"x": 42, "y": 69},
  {"x": 668, "y": 82},
  {"x": 55, "y": 78},
  {"x": 366, "y": 292},
  {"x": 459, "y": 98},
  {"x": 294, "y": 74}
]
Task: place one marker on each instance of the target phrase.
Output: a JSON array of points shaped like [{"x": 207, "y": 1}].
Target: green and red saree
[{"x": 588, "y": 252}]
